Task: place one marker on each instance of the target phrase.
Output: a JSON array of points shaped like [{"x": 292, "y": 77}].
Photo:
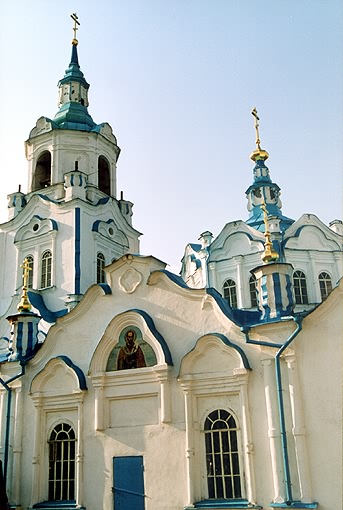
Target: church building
[{"x": 125, "y": 386}]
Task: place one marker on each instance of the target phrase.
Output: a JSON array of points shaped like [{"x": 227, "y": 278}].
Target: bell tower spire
[
  {"x": 73, "y": 93},
  {"x": 263, "y": 195}
]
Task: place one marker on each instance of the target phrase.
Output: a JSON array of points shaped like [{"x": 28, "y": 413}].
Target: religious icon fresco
[{"x": 131, "y": 351}]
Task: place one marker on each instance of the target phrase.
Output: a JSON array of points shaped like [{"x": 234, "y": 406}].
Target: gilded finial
[
  {"x": 269, "y": 254},
  {"x": 258, "y": 153},
  {"x": 25, "y": 305},
  {"x": 76, "y": 22}
]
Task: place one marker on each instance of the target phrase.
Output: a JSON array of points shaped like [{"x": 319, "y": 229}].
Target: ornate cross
[
  {"x": 25, "y": 305},
  {"x": 76, "y": 22},
  {"x": 257, "y": 118},
  {"x": 26, "y": 266}
]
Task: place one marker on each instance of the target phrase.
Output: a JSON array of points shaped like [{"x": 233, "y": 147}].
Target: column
[
  {"x": 189, "y": 448},
  {"x": 239, "y": 283},
  {"x": 17, "y": 443},
  {"x": 298, "y": 431},
  {"x": 79, "y": 455},
  {"x": 248, "y": 445},
  {"x": 37, "y": 440},
  {"x": 273, "y": 430},
  {"x": 165, "y": 415}
]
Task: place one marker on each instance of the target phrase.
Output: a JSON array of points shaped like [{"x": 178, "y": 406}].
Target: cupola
[
  {"x": 73, "y": 93},
  {"x": 263, "y": 190}
]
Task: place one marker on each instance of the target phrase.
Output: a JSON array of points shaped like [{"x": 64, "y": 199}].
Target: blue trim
[
  {"x": 105, "y": 288},
  {"x": 95, "y": 226},
  {"x": 157, "y": 335},
  {"x": 30, "y": 339},
  {"x": 77, "y": 250},
  {"x": 102, "y": 201},
  {"x": 225, "y": 503},
  {"x": 53, "y": 222},
  {"x": 294, "y": 504},
  {"x": 19, "y": 341},
  {"x": 174, "y": 278},
  {"x": 37, "y": 302},
  {"x": 48, "y": 199},
  {"x": 78, "y": 372},
  {"x": 239, "y": 349}
]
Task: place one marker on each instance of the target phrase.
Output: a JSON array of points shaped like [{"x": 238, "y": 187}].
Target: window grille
[
  {"x": 222, "y": 457},
  {"x": 62, "y": 463},
  {"x": 100, "y": 272},
  {"x": 230, "y": 293},
  {"x": 325, "y": 285},
  {"x": 300, "y": 288},
  {"x": 46, "y": 269},
  {"x": 253, "y": 291}
]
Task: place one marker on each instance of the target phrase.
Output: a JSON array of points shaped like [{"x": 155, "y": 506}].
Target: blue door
[{"x": 128, "y": 483}]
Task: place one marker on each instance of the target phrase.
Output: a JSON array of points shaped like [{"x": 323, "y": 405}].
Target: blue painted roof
[
  {"x": 37, "y": 302},
  {"x": 256, "y": 219},
  {"x": 73, "y": 115}
]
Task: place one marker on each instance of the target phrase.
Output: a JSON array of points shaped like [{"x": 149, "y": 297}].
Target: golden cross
[
  {"x": 25, "y": 305},
  {"x": 76, "y": 22},
  {"x": 257, "y": 118},
  {"x": 26, "y": 266}
]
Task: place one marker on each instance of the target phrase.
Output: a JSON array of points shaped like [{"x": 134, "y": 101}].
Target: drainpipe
[
  {"x": 281, "y": 410},
  {"x": 5, "y": 384},
  {"x": 288, "y": 482}
]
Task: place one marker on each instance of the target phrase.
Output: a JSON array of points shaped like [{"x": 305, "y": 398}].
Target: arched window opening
[
  {"x": 300, "y": 288},
  {"x": 62, "y": 443},
  {"x": 222, "y": 457},
  {"x": 230, "y": 293},
  {"x": 29, "y": 260},
  {"x": 42, "y": 175},
  {"x": 325, "y": 285},
  {"x": 253, "y": 291},
  {"x": 100, "y": 271},
  {"x": 104, "y": 183},
  {"x": 46, "y": 269}
]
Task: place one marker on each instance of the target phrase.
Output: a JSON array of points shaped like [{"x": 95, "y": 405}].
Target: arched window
[
  {"x": 230, "y": 293},
  {"x": 42, "y": 176},
  {"x": 222, "y": 458},
  {"x": 104, "y": 183},
  {"x": 325, "y": 285},
  {"x": 46, "y": 269},
  {"x": 62, "y": 463},
  {"x": 300, "y": 288},
  {"x": 100, "y": 264},
  {"x": 29, "y": 259},
  {"x": 253, "y": 291}
]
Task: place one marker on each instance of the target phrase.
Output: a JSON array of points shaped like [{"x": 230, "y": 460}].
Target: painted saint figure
[{"x": 130, "y": 355}]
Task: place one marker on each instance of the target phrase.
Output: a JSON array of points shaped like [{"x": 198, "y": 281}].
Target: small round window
[
  {"x": 110, "y": 231},
  {"x": 35, "y": 227}
]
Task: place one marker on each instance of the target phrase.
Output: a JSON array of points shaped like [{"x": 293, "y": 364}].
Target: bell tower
[{"x": 69, "y": 224}]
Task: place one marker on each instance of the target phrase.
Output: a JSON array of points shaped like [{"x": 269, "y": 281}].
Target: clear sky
[{"x": 177, "y": 79}]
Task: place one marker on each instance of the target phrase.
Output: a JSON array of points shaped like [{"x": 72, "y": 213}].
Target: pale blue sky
[{"x": 177, "y": 80}]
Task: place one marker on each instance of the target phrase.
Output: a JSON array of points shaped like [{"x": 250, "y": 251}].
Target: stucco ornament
[{"x": 130, "y": 280}]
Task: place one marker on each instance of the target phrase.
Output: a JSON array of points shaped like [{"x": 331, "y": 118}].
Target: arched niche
[
  {"x": 104, "y": 175},
  {"x": 42, "y": 174},
  {"x": 143, "y": 385}
]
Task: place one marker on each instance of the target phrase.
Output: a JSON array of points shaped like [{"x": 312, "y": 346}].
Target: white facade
[
  {"x": 204, "y": 362},
  {"x": 123, "y": 387}
]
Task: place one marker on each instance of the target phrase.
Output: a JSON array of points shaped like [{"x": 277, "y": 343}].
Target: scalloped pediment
[
  {"x": 110, "y": 230},
  {"x": 312, "y": 237},
  {"x": 43, "y": 125},
  {"x": 236, "y": 243},
  {"x": 211, "y": 356},
  {"x": 36, "y": 227},
  {"x": 57, "y": 378}
]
